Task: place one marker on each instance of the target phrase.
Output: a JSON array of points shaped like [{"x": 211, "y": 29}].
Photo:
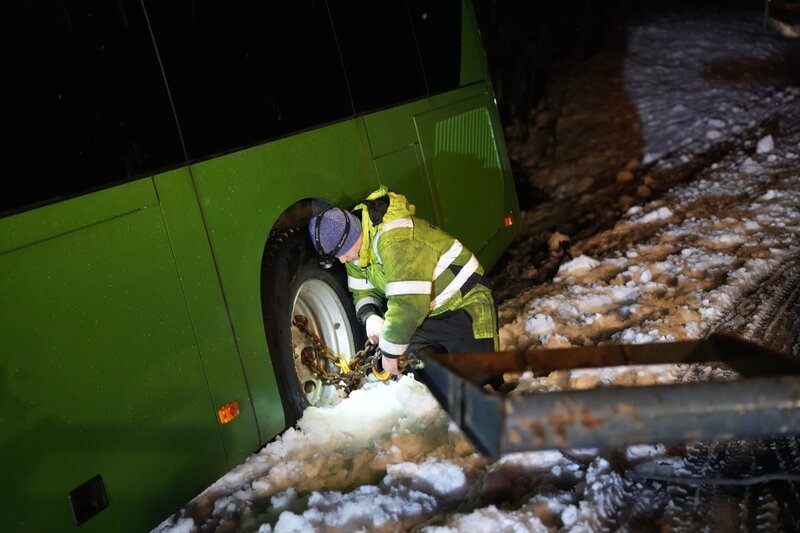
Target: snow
[
  {"x": 387, "y": 458},
  {"x": 765, "y": 145},
  {"x": 657, "y": 215},
  {"x": 578, "y": 266}
]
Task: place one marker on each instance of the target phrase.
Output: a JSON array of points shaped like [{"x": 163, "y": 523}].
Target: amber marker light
[
  {"x": 508, "y": 221},
  {"x": 228, "y": 412}
]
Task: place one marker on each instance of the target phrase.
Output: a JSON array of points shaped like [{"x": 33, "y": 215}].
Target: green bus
[{"x": 158, "y": 161}]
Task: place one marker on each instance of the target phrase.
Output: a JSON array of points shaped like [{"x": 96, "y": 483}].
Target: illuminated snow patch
[
  {"x": 577, "y": 267},
  {"x": 440, "y": 478}
]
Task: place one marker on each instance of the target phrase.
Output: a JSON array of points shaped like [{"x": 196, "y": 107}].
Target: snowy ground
[{"x": 675, "y": 265}]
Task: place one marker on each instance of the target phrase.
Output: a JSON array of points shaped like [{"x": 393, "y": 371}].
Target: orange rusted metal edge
[{"x": 765, "y": 401}]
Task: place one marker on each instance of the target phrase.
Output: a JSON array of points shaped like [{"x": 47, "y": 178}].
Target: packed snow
[
  {"x": 387, "y": 458},
  {"x": 685, "y": 265}
]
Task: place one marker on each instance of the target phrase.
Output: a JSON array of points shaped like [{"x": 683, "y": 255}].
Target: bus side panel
[
  {"x": 402, "y": 171},
  {"x": 241, "y": 196},
  {"x": 100, "y": 374},
  {"x": 462, "y": 156},
  {"x": 29, "y": 227},
  {"x": 208, "y": 311},
  {"x": 392, "y": 129},
  {"x": 394, "y": 140}
]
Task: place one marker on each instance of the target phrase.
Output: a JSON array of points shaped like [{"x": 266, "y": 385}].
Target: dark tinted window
[
  {"x": 244, "y": 71},
  {"x": 379, "y": 52},
  {"x": 83, "y": 102},
  {"x": 437, "y": 26}
]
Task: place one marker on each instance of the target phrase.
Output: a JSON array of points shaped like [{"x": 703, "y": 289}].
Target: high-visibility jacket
[{"x": 416, "y": 270}]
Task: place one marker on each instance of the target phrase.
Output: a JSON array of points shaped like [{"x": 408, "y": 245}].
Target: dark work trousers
[{"x": 450, "y": 332}]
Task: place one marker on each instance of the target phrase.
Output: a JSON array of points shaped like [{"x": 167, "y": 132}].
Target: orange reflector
[
  {"x": 509, "y": 220},
  {"x": 228, "y": 412}
]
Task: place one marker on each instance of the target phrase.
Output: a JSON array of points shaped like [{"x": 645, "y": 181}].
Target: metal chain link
[
  {"x": 352, "y": 373},
  {"x": 319, "y": 358}
]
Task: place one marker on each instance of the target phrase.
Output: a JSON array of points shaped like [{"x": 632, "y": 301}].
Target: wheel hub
[{"x": 317, "y": 301}]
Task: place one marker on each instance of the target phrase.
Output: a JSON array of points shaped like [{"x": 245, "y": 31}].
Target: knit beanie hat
[{"x": 331, "y": 228}]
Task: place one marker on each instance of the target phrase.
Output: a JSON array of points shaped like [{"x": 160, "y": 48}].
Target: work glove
[
  {"x": 390, "y": 365},
  {"x": 374, "y": 326}
]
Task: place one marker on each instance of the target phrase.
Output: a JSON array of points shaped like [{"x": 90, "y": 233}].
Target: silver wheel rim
[{"x": 318, "y": 302}]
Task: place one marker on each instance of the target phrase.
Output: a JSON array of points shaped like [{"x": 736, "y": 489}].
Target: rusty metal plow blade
[{"x": 764, "y": 402}]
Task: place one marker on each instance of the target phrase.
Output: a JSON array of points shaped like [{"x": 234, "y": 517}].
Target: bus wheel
[{"x": 293, "y": 283}]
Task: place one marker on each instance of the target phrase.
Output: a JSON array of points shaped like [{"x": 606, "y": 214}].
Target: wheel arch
[
  {"x": 293, "y": 218},
  {"x": 281, "y": 254}
]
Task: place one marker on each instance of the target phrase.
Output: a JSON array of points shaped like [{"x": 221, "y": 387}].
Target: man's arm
[
  {"x": 409, "y": 270},
  {"x": 367, "y": 299}
]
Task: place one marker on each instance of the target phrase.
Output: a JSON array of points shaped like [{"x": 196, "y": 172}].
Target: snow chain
[{"x": 352, "y": 373}]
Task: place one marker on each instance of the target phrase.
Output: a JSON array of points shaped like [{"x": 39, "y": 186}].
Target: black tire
[{"x": 292, "y": 278}]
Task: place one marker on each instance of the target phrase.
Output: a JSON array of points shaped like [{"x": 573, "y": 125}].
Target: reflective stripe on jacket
[{"x": 418, "y": 270}]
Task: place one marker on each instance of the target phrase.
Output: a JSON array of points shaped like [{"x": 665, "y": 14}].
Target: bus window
[
  {"x": 379, "y": 53},
  {"x": 437, "y": 27},
  {"x": 244, "y": 72},
  {"x": 84, "y": 103}
]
